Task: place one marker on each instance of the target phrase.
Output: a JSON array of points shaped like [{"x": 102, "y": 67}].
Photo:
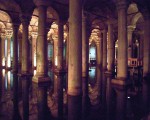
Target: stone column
[
  {"x": 104, "y": 50},
  {"x": 16, "y": 115},
  {"x": 55, "y": 51},
  {"x": 8, "y": 59},
  {"x": 59, "y": 71},
  {"x": 20, "y": 52},
  {"x": 41, "y": 80},
  {"x": 111, "y": 49},
  {"x": 34, "y": 39},
  {"x": 85, "y": 56},
  {"x": 75, "y": 61},
  {"x": 122, "y": 62},
  {"x": 3, "y": 49},
  {"x": 146, "y": 50},
  {"x": 24, "y": 76},
  {"x": 60, "y": 44},
  {"x": 130, "y": 46}
]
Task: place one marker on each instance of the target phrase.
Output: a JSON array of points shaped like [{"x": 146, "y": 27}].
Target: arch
[{"x": 136, "y": 18}]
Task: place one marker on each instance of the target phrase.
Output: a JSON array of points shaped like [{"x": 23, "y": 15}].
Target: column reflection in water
[
  {"x": 121, "y": 102},
  {"x": 3, "y": 83},
  {"x": 110, "y": 99}
]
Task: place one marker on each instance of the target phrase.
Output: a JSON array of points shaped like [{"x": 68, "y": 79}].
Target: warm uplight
[
  {"x": 56, "y": 61},
  {"x": 34, "y": 59},
  {"x": 3, "y": 61},
  {"x": 3, "y": 72},
  {"x": 8, "y": 61},
  {"x": 34, "y": 72}
]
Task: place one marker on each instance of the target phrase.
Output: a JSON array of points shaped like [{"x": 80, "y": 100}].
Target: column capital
[
  {"x": 121, "y": 4},
  {"x": 34, "y": 34},
  {"x": 2, "y": 34},
  {"x": 8, "y": 32},
  {"x": 131, "y": 28}
]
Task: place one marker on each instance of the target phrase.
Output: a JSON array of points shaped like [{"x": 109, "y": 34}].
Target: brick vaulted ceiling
[{"x": 99, "y": 10}]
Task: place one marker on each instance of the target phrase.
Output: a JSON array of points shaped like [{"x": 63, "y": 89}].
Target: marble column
[
  {"x": 41, "y": 80},
  {"x": 85, "y": 56},
  {"x": 130, "y": 46},
  {"x": 55, "y": 51},
  {"x": 25, "y": 76},
  {"x": 34, "y": 39},
  {"x": 20, "y": 52},
  {"x": 122, "y": 62},
  {"x": 146, "y": 50},
  {"x": 111, "y": 48},
  {"x": 60, "y": 44},
  {"x": 59, "y": 71},
  {"x": 104, "y": 49},
  {"x": 3, "y": 48},
  {"x": 8, "y": 36},
  {"x": 75, "y": 61}
]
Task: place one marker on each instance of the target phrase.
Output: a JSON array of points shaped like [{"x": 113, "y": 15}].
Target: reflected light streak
[
  {"x": 8, "y": 78},
  {"x": 56, "y": 61},
  {"x": 3, "y": 72},
  {"x": 34, "y": 72},
  {"x": 3, "y": 61}
]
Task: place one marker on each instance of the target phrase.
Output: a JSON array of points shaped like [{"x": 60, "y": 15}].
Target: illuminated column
[
  {"x": 20, "y": 52},
  {"x": 122, "y": 44},
  {"x": 75, "y": 61},
  {"x": 34, "y": 39},
  {"x": 146, "y": 50},
  {"x": 41, "y": 80},
  {"x": 121, "y": 79},
  {"x": 15, "y": 47},
  {"x": 3, "y": 48},
  {"x": 55, "y": 51},
  {"x": 67, "y": 50},
  {"x": 60, "y": 45},
  {"x": 130, "y": 49},
  {"x": 8, "y": 35},
  {"x": 25, "y": 45},
  {"x": 85, "y": 56},
  {"x": 111, "y": 49},
  {"x": 104, "y": 50}
]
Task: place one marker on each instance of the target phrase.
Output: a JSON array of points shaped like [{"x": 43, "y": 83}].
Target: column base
[
  {"x": 119, "y": 81},
  {"x": 41, "y": 80},
  {"x": 109, "y": 73},
  {"x": 60, "y": 72},
  {"x": 8, "y": 68}
]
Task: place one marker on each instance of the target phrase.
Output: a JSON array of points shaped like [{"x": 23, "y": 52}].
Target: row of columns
[{"x": 76, "y": 73}]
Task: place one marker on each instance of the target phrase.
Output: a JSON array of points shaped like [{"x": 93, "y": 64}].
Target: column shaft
[
  {"x": 3, "y": 48},
  {"x": 104, "y": 49},
  {"x": 146, "y": 51},
  {"x": 25, "y": 47},
  {"x": 60, "y": 45},
  {"x": 15, "y": 47},
  {"x": 111, "y": 48},
  {"x": 75, "y": 60},
  {"x": 41, "y": 59},
  {"x": 122, "y": 40}
]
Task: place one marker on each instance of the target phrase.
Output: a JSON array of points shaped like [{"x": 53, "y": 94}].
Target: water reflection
[{"x": 92, "y": 76}]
